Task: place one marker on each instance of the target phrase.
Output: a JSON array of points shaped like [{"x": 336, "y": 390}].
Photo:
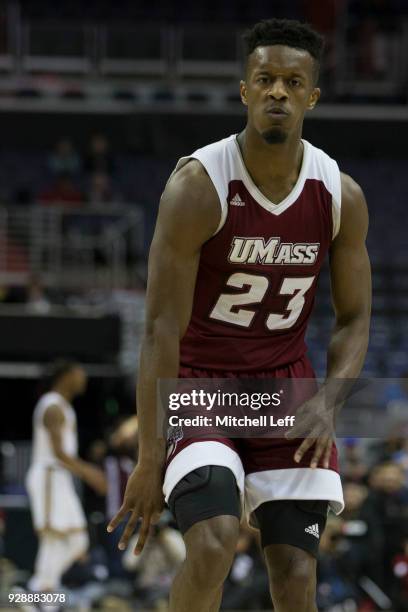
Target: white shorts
[
  {"x": 257, "y": 487},
  {"x": 55, "y": 505}
]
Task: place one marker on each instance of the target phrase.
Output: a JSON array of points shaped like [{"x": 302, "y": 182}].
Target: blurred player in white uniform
[{"x": 57, "y": 513}]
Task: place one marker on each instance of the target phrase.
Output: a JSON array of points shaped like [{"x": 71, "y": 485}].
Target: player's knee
[
  {"x": 293, "y": 584},
  {"x": 211, "y": 546},
  {"x": 297, "y": 581},
  {"x": 78, "y": 544}
]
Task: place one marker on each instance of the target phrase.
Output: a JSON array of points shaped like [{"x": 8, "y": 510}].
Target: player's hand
[
  {"x": 144, "y": 501},
  {"x": 95, "y": 478},
  {"x": 315, "y": 423}
]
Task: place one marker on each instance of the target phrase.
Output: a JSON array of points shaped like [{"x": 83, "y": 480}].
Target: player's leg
[
  {"x": 290, "y": 535},
  {"x": 55, "y": 555},
  {"x": 210, "y": 549},
  {"x": 206, "y": 504},
  {"x": 50, "y": 558},
  {"x": 76, "y": 545},
  {"x": 292, "y": 578}
]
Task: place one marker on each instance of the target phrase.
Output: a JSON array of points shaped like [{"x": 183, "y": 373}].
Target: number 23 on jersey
[{"x": 228, "y": 305}]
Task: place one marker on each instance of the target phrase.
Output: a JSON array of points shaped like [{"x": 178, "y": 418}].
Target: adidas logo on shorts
[
  {"x": 313, "y": 530},
  {"x": 236, "y": 200}
]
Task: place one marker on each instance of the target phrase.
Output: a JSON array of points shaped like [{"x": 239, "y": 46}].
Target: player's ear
[
  {"x": 314, "y": 98},
  {"x": 243, "y": 92}
]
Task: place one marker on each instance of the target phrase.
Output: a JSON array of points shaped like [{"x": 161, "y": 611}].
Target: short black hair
[
  {"x": 287, "y": 32},
  {"x": 58, "y": 369}
]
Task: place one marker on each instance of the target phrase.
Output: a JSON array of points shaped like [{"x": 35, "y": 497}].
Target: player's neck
[
  {"x": 66, "y": 394},
  {"x": 275, "y": 161}
]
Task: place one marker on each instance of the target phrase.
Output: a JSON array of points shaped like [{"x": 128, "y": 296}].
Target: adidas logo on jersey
[
  {"x": 313, "y": 530},
  {"x": 272, "y": 252},
  {"x": 236, "y": 200}
]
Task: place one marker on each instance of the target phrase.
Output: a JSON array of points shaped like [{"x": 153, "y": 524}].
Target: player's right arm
[
  {"x": 189, "y": 215},
  {"x": 53, "y": 420}
]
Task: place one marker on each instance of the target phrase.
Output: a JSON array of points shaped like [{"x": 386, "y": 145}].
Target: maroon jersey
[{"x": 257, "y": 275}]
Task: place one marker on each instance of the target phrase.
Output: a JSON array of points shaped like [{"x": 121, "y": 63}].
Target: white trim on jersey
[
  {"x": 223, "y": 163},
  {"x": 258, "y": 487},
  {"x": 198, "y": 455},
  {"x": 220, "y": 167},
  {"x": 275, "y": 209},
  {"x": 294, "y": 483},
  {"x": 324, "y": 168}
]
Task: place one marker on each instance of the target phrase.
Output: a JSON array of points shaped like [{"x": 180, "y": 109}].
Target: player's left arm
[{"x": 350, "y": 274}]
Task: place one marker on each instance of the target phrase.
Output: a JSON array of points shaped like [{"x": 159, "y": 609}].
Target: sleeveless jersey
[
  {"x": 42, "y": 452},
  {"x": 257, "y": 275}
]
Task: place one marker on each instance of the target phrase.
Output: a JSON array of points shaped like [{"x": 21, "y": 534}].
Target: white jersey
[
  {"x": 43, "y": 452},
  {"x": 55, "y": 505}
]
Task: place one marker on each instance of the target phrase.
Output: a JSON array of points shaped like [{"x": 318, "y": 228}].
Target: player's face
[
  {"x": 278, "y": 90},
  {"x": 78, "y": 380}
]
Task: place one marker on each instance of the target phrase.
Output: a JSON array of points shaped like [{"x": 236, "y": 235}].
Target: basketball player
[
  {"x": 57, "y": 514},
  {"x": 243, "y": 229}
]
